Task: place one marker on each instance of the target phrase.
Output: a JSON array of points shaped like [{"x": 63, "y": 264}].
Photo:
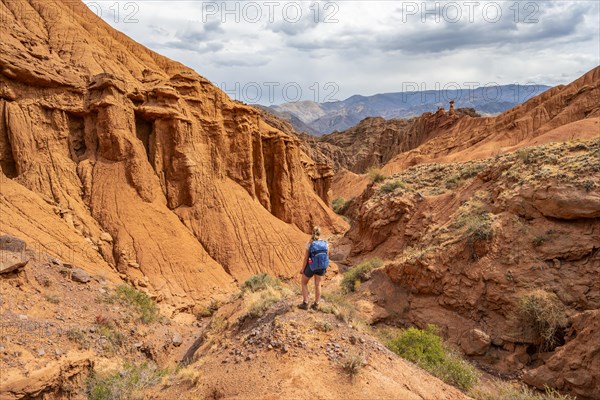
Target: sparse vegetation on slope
[
  {"x": 511, "y": 224},
  {"x": 260, "y": 282},
  {"x": 144, "y": 306},
  {"x": 340, "y": 205},
  {"x": 359, "y": 273},
  {"x": 572, "y": 162},
  {"x": 126, "y": 384},
  {"x": 352, "y": 363},
  {"x": 261, "y": 292},
  {"x": 375, "y": 175},
  {"x": 426, "y": 349},
  {"x": 390, "y": 187},
  {"x": 545, "y": 314},
  {"x": 337, "y": 304},
  {"x": 475, "y": 219}
]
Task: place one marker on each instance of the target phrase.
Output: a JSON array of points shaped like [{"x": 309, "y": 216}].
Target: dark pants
[{"x": 309, "y": 273}]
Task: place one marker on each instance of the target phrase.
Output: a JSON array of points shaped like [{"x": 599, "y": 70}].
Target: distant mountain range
[{"x": 322, "y": 118}]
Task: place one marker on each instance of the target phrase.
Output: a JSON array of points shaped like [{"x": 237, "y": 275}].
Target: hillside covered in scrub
[
  {"x": 501, "y": 254},
  {"x": 152, "y": 230}
]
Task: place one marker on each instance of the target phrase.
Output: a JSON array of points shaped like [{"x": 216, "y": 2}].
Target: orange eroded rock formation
[{"x": 155, "y": 170}]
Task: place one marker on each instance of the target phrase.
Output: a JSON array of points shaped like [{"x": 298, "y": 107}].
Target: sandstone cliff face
[
  {"x": 375, "y": 141},
  {"x": 472, "y": 245},
  {"x": 152, "y": 166},
  {"x": 318, "y": 166}
]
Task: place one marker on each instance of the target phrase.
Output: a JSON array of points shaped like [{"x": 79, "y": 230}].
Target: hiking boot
[
  {"x": 303, "y": 306},
  {"x": 315, "y": 306}
]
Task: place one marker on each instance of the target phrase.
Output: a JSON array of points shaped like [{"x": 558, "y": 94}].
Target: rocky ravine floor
[
  {"x": 300, "y": 354},
  {"x": 68, "y": 334}
]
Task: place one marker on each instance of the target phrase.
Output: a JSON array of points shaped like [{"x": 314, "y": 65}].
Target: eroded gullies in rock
[{"x": 145, "y": 198}]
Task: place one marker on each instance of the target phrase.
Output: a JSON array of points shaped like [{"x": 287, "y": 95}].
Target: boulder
[
  {"x": 475, "y": 342},
  {"x": 11, "y": 262},
  {"x": 79, "y": 275},
  {"x": 177, "y": 339}
]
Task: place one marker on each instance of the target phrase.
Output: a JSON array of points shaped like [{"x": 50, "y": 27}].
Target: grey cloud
[
  {"x": 158, "y": 30},
  {"x": 198, "y": 31},
  {"x": 370, "y": 50},
  {"x": 199, "y": 37},
  {"x": 505, "y": 32},
  {"x": 288, "y": 26}
]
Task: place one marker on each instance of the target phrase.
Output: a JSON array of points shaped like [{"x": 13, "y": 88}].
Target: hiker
[{"x": 316, "y": 261}]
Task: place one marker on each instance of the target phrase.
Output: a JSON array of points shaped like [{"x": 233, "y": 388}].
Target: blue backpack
[{"x": 318, "y": 254}]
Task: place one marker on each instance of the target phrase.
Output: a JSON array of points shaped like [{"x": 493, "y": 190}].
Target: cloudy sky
[{"x": 272, "y": 51}]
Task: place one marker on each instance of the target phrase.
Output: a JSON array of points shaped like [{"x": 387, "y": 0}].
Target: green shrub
[
  {"x": 340, "y": 205},
  {"x": 539, "y": 240},
  {"x": 207, "y": 310},
  {"x": 525, "y": 155},
  {"x": 352, "y": 363},
  {"x": 419, "y": 346},
  {"x": 426, "y": 349},
  {"x": 323, "y": 326},
  {"x": 545, "y": 314},
  {"x": 392, "y": 186},
  {"x": 452, "y": 181},
  {"x": 337, "y": 204},
  {"x": 375, "y": 175},
  {"x": 140, "y": 301},
  {"x": 359, "y": 273},
  {"x": 78, "y": 336},
  {"x": 125, "y": 384},
  {"x": 476, "y": 221},
  {"x": 456, "y": 371},
  {"x": 115, "y": 338},
  {"x": 338, "y": 305},
  {"x": 260, "y": 282}
]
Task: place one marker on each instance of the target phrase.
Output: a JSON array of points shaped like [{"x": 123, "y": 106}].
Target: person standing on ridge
[{"x": 316, "y": 261}]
